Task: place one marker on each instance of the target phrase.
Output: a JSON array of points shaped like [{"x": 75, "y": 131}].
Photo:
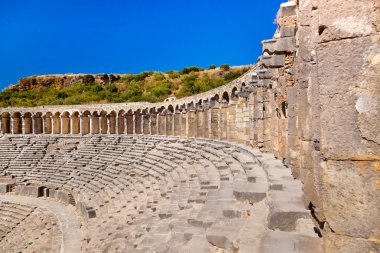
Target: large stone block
[
  {"x": 287, "y": 9},
  {"x": 280, "y": 45},
  {"x": 340, "y": 19},
  {"x": 345, "y": 244},
  {"x": 273, "y": 60},
  {"x": 350, "y": 98},
  {"x": 304, "y": 114},
  {"x": 289, "y": 31},
  {"x": 351, "y": 197}
]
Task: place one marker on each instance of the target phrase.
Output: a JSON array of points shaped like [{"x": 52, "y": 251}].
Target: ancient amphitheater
[{"x": 284, "y": 159}]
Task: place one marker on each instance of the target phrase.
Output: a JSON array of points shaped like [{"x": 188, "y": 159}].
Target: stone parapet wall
[{"x": 312, "y": 100}]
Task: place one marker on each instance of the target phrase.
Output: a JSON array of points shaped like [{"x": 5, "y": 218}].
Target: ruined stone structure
[{"x": 271, "y": 162}]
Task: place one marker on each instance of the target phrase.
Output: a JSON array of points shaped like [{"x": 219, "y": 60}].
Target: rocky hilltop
[
  {"x": 62, "y": 80},
  {"x": 148, "y": 86}
]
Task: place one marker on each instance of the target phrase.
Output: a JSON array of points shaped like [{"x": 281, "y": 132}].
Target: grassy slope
[{"x": 146, "y": 86}]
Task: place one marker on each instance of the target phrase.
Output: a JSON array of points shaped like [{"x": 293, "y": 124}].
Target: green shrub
[
  {"x": 158, "y": 76},
  {"x": 97, "y": 88},
  {"x": 231, "y": 76},
  {"x": 173, "y": 74},
  {"x": 111, "y": 88},
  {"x": 225, "y": 67},
  {"x": 212, "y": 66},
  {"x": 190, "y": 69},
  {"x": 62, "y": 95}
]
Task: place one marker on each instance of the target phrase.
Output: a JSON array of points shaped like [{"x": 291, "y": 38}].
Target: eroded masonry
[{"x": 284, "y": 159}]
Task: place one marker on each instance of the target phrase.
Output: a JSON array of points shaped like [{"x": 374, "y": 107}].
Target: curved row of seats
[
  {"x": 168, "y": 194},
  {"x": 27, "y": 229}
]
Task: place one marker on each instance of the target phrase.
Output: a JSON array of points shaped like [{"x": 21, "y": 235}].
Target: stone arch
[
  {"x": 48, "y": 127},
  {"x": 17, "y": 123},
  {"x": 112, "y": 122},
  {"x": 233, "y": 93},
  {"x": 171, "y": 108},
  {"x": 38, "y": 123},
  {"x": 95, "y": 123},
  {"x": 215, "y": 99},
  {"x": 103, "y": 122},
  {"x": 85, "y": 119},
  {"x": 6, "y": 123},
  {"x": 121, "y": 122},
  {"x": 184, "y": 107},
  {"x": 75, "y": 123},
  {"x": 225, "y": 97},
  {"x": 66, "y": 124},
  {"x": 28, "y": 123},
  {"x": 57, "y": 123},
  {"x": 199, "y": 104}
]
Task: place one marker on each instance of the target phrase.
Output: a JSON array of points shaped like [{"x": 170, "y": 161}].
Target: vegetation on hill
[{"x": 146, "y": 86}]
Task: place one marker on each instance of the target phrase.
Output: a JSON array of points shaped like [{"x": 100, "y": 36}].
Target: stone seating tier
[{"x": 168, "y": 193}]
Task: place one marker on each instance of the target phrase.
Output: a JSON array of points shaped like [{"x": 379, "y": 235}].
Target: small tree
[
  {"x": 212, "y": 66},
  {"x": 225, "y": 67}
]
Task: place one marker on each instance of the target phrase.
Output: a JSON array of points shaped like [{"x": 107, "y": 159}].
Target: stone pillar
[
  {"x": 37, "y": 124},
  {"x": 130, "y": 123},
  {"x": 17, "y": 125},
  {"x": 207, "y": 121},
  {"x": 120, "y": 124},
  {"x": 22, "y": 125},
  {"x": 137, "y": 120},
  {"x": 85, "y": 125},
  {"x": 153, "y": 123},
  {"x": 191, "y": 123},
  {"x": 184, "y": 123},
  {"x": 103, "y": 122},
  {"x": 177, "y": 123},
  {"x": 34, "y": 123},
  {"x": 28, "y": 128},
  {"x": 75, "y": 124},
  {"x": 95, "y": 125},
  {"x": 162, "y": 123},
  {"x": 242, "y": 121},
  {"x": 200, "y": 122},
  {"x": 112, "y": 124},
  {"x": 214, "y": 121},
  {"x": 223, "y": 120},
  {"x": 146, "y": 123},
  {"x": 231, "y": 119},
  {"x": 11, "y": 125},
  {"x": 65, "y": 125},
  {"x": 57, "y": 125},
  {"x": 48, "y": 125},
  {"x": 169, "y": 123}
]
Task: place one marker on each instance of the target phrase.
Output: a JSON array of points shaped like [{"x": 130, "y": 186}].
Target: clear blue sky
[{"x": 116, "y": 36}]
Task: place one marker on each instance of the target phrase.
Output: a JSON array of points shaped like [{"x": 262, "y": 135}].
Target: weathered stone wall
[{"x": 312, "y": 99}]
